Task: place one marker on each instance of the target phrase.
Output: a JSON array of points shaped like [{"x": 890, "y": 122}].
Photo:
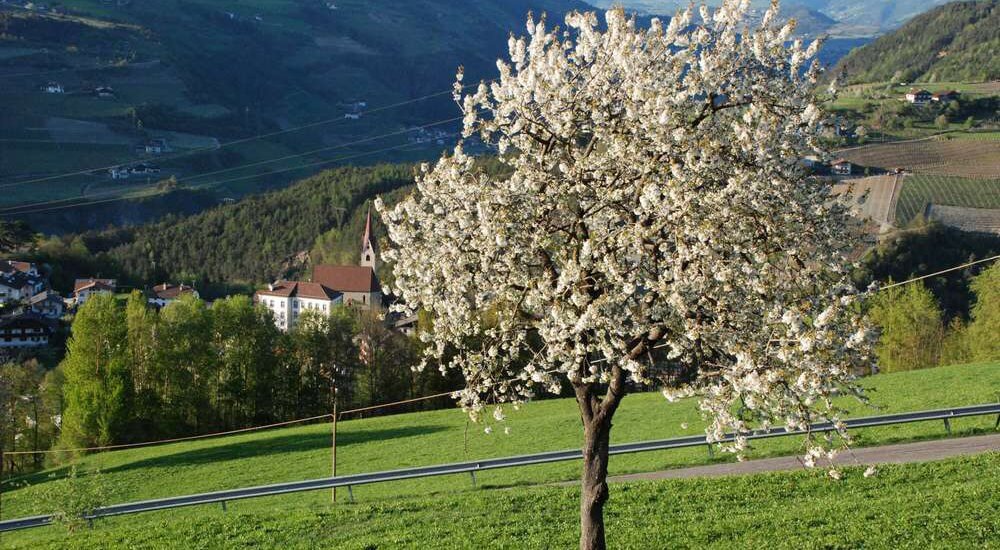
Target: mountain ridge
[{"x": 958, "y": 41}]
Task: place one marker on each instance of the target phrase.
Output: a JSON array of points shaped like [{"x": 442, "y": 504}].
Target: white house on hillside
[
  {"x": 288, "y": 300},
  {"x": 20, "y": 281},
  {"x": 85, "y": 288},
  {"x": 24, "y": 331},
  {"x": 165, "y": 293}
]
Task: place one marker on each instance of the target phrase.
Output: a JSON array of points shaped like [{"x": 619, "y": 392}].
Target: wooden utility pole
[{"x": 333, "y": 441}]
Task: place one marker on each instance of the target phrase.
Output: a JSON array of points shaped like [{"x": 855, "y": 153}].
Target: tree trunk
[{"x": 593, "y": 484}]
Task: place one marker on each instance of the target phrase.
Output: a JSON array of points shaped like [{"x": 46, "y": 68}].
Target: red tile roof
[
  {"x": 347, "y": 278},
  {"x": 7, "y": 266},
  {"x": 298, "y": 289},
  {"x": 101, "y": 284},
  {"x": 168, "y": 291}
]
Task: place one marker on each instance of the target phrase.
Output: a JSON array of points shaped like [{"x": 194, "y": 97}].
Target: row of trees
[
  {"x": 915, "y": 334},
  {"x": 133, "y": 373}
]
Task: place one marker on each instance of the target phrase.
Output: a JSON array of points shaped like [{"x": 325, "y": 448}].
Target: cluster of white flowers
[{"x": 651, "y": 218}]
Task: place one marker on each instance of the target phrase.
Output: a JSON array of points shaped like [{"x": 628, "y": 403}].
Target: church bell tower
[{"x": 369, "y": 258}]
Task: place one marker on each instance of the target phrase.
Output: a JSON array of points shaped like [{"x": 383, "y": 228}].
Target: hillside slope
[
  {"x": 959, "y": 41},
  {"x": 786, "y": 510},
  {"x": 255, "y": 240},
  {"x": 443, "y": 436},
  {"x": 197, "y": 73}
]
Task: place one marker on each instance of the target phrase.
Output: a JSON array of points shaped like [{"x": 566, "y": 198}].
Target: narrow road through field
[{"x": 921, "y": 451}]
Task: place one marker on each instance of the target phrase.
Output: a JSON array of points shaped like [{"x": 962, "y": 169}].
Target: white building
[
  {"x": 353, "y": 285},
  {"x": 288, "y": 300},
  {"x": 24, "y": 331},
  {"x": 48, "y": 304},
  {"x": 918, "y": 97},
  {"x": 20, "y": 281},
  {"x": 841, "y": 167},
  {"x": 165, "y": 293},
  {"x": 85, "y": 288}
]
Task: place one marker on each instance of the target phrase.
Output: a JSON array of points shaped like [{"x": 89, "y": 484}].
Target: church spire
[{"x": 368, "y": 256}]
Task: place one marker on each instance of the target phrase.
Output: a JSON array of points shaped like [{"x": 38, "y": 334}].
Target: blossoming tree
[{"x": 653, "y": 225}]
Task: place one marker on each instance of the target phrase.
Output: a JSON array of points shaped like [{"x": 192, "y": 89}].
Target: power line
[
  {"x": 78, "y": 69},
  {"x": 11, "y": 211},
  {"x": 314, "y": 151},
  {"x": 240, "y": 141},
  {"x": 936, "y": 273},
  {"x": 395, "y": 403}
]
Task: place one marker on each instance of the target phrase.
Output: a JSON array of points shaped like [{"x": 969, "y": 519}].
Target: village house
[
  {"x": 945, "y": 97},
  {"x": 120, "y": 172},
  {"x": 153, "y": 147},
  {"x": 53, "y": 88},
  {"x": 351, "y": 285},
  {"x": 145, "y": 169},
  {"x": 16, "y": 286},
  {"x": 48, "y": 304},
  {"x": 11, "y": 266},
  {"x": 85, "y": 288},
  {"x": 25, "y": 330},
  {"x": 918, "y": 97},
  {"x": 165, "y": 293},
  {"x": 841, "y": 167}
]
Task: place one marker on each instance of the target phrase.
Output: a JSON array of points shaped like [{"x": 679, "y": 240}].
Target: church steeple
[{"x": 369, "y": 258}]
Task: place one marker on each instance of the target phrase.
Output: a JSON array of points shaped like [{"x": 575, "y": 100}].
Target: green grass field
[
  {"x": 920, "y": 190},
  {"x": 445, "y": 436},
  {"x": 949, "y": 504}
]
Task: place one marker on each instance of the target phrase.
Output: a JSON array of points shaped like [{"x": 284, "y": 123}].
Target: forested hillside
[
  {"x": 959, "y": 41},
  {"x": 256, "y": 239}
]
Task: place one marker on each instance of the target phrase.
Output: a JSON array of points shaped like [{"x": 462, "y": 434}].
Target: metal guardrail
[{"x": 488, "y": 464}]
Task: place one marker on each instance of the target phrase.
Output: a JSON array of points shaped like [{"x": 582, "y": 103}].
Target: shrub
[{"x": 74, "y": 498}]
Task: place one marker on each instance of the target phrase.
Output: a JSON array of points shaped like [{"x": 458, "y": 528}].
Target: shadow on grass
[{"x": 280, "y": 444}]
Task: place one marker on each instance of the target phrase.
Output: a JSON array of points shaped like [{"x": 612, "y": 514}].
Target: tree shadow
[{"x": 276, "y": 445}]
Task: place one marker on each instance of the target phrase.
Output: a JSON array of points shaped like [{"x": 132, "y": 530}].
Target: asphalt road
[{"x": 921, "y": 451}]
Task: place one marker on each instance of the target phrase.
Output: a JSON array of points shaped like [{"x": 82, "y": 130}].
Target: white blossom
[{"x": 652, "y": 220}]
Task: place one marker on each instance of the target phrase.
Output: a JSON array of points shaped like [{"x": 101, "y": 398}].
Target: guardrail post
[
  {"x": 711, "y": 453},
  {"x": 947, "y": 426},
  {"x": 350, "y": 494},
  {"x": 997, "y": 425},
  {"x": 473, "y": 474},
  {"x": 223, "y": 505}
]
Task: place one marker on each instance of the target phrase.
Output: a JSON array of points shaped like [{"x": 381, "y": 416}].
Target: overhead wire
[
  {"x": 30, "y": 208},
  {"x": 240, "y": 141},
  {"x": 386, "y": 405}
]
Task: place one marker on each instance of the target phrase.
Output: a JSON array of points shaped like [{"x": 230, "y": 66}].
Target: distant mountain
[
  {"x": 199, "y": 73},
  {"x": 956, "y": 42},
  {"x": 838, "y": 17}
]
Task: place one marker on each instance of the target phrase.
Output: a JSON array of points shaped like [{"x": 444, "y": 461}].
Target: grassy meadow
[
  {"x": 419, "y": 439},
  {"x": 947, "y": 504}
]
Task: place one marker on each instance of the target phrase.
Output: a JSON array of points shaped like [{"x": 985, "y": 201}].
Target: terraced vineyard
[
  {"x": 977, "y": 157},
  {"x": 975, "y": 220},
  {"x": 919, "y": 191}
]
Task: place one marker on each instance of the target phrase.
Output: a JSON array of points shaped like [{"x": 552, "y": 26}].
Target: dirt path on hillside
[{"x": 921, "y": 451}]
